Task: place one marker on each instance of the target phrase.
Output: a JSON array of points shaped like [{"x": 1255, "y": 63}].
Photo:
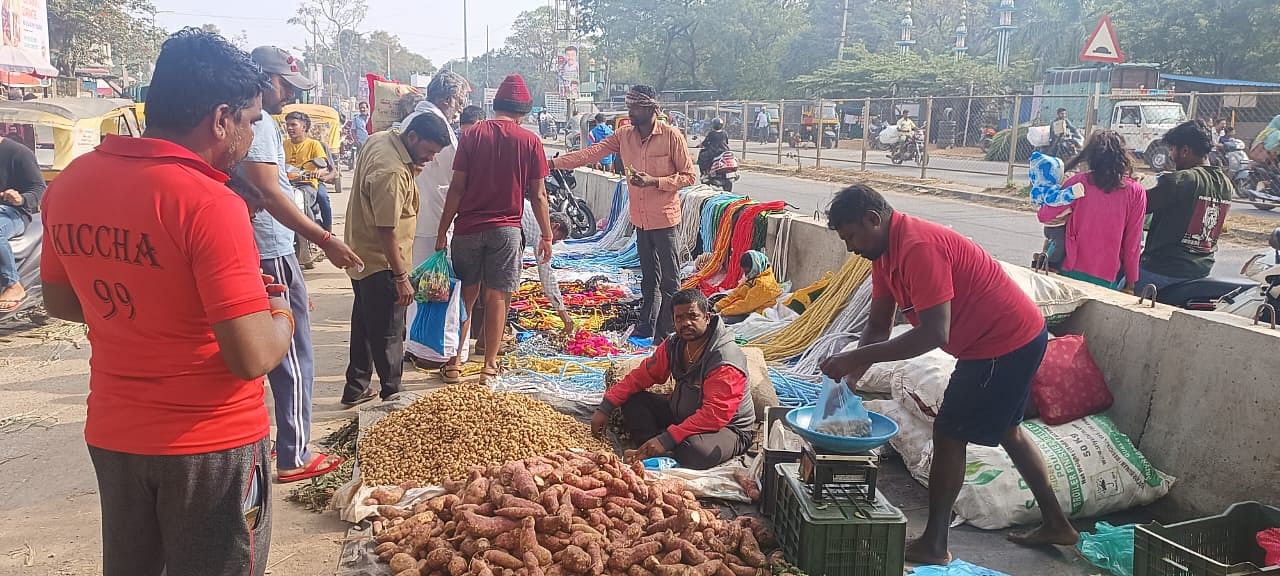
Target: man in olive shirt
[
  {"x": 381, "y": 219},
  {"x": 1187, "y": 207}
]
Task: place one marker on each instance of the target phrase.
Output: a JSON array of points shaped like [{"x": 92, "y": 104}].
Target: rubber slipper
[
  {"x": 365, "y": 396},
  {"x": 450, "y": 374},
  {"x": 487, "y": 375},
  {"x": 317, "y": 467},
  {"x": 9, "y": 305}
]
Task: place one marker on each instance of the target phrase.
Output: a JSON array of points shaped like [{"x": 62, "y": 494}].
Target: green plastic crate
[
  {"x": 837, "y": 539},
  {"x": 1222, "y": 545}
]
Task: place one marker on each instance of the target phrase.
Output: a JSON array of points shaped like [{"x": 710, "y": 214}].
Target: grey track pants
[
  {"x": 196, "y": 515},
  {"x": 659, "y": 281}
]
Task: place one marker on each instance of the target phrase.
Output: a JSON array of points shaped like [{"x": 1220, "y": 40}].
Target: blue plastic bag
[
  {"x": 956, "y": 568},
  {"x": 432, "y": 279},
  {"x": 660, "y": 463},
  {"x": 839, "y": 412},
  {"x": 432, "y": 322},
  {"x": 1109, "y": 547}
]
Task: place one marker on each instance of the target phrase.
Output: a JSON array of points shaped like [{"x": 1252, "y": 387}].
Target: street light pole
[
  {"x": 844, "y": 33},
  {"x": 466, "y": 56}
]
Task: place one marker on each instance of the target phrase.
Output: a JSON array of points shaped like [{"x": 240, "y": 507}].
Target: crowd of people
[
  {"x": 183, "y": 266},
  {"x": 1102, "y": 224}
]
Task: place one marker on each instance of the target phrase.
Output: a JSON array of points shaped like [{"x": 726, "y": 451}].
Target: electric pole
[
  {"x": 466, "y": 56},
  {"x": 844, "y": 31}
]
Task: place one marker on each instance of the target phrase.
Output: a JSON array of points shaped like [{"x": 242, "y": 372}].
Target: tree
[
  {"x": 864, "y": 74},
  {"x": 333, "y": 26},
  {"x": 1222, "y": 38},
  {"x": 98, "y": 32}
]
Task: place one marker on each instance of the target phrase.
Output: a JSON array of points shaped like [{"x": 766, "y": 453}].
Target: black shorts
[{"x": 987, "y": 398}]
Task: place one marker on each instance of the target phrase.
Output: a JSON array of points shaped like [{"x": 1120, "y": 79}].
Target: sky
[{"x": 432, "y": 28}]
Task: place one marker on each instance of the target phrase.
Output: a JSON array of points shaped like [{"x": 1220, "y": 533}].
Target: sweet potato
[
  {"x": 583, "y": 483},
  {"x": 476, "y": 491},
  {"x": 443, "y": 502},
  {"x": 692, "y": 554},
  {"x": 576, "y": 560},
  {"x": 401, "y": 562},
  {"x": 631, "y": 503},
  {"x": 480, "y": 568},
  {"x": 507, "y": 541},
  {"x": 438, "y": 558},
  {"x": 621, "y": 559},
  {"x": 674, "y": 523},
  {"x": 457, "y": 566},
  {"x": 484, "y": 526},
  {"x": 370, "y": 502},
  {"x": 584, "y": 501},
  {"x": 409, "y": 572},
  {"x": 503, "y": 559},
  {"x": 528, "y": 543},
  {"x": 597, "y": 557},
  {"x": 740, "y": 570},
  {"x": 521, "y": 480},
  {"x": 520, "y": 513},
  {"x": 638, "y": 570},
  {"x": 552, "y": 542},
  {"x": 533, "y": 566},
  {"x": 672, "y": 557},
  {"x": 388, "y": 494},
  {"x": 750, "y": 551}
]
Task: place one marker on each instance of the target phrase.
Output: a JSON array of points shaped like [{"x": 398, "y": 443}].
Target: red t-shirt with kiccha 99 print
[
  {"x": 157, "y": 250},
  {"x": 928, "y": 264}
]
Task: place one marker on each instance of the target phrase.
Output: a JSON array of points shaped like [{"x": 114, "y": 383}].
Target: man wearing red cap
[{"x": 497, "y": 165}]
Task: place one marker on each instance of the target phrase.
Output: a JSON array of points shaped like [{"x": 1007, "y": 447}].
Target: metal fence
[{"x": 967, "y": 136}]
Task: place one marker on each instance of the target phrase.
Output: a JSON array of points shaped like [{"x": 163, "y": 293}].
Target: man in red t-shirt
[
  {"x": 958, "y": 298},
  {"x": 145, "y": 244},
  {"x": 497, "y": 165}
]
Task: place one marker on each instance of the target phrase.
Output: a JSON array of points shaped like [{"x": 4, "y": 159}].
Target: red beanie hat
[{"x": 513, "y": 96}]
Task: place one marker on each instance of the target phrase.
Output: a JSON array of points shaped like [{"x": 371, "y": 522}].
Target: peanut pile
[
  {"x": 567, "y": 513},
  {"x": 440, "y": 436}
]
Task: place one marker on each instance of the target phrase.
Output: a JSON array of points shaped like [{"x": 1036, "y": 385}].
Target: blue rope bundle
[{"x": 794, "y": 391}]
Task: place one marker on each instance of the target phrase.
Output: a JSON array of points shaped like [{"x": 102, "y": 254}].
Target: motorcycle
[
  {"x": 877, "y": 127},
  {"x": 1264, "y": 290},
  {"x": 723, "y": 172},
  {"x": 308, "y": 199},
  {"x": 1233, "y": 158},
  {"x": 560, "y": 185},
  {"x": 1065, "y": 147},
  {"x": 1262, "y": 188},
  {"x": 988, "y": 134},
  {"x": 912, "y": 148}
]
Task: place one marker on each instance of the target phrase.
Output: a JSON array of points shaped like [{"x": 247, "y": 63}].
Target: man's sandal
[
  {"x": 450, "y": 374},
  {"x": 320, "y": 465}
]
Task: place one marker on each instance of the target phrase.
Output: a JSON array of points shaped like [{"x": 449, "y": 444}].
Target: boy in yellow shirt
[{"x": 300, "y": 152}]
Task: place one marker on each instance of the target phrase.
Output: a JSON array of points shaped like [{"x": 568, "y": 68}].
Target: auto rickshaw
[
  {"x": 61, "y": 129},
  {"x": 326, "y": 126}
]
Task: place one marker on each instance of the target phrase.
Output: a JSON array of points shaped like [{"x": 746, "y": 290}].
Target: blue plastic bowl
[{"x": 882, "y": 429}]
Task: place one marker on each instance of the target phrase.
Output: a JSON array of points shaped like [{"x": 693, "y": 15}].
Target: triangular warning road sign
[{"x": 1102, "y": 45}]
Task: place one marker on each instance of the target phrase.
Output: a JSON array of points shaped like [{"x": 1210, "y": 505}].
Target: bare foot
[
  {"x": 1046, "y": 536},
  {"x": 922, "y": 554},
  {"x": 12, "y": 297}
]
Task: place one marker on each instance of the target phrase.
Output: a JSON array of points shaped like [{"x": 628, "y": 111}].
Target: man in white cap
[
  {"x": 274, "y": 226},
  {"x": 446, "y": 97}
]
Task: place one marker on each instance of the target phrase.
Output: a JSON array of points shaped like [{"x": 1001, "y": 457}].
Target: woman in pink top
[{"x": 1104, "y": 229}]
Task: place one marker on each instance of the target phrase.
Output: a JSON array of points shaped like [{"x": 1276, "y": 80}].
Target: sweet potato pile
[{"x": 569, "y": 513}]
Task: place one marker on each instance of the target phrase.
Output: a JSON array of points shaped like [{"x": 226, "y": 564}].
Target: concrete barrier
[{"x": 1196, "y": 391}]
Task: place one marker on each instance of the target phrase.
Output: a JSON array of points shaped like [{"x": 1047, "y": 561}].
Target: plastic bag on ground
[
  {"x": 432, "y": 278},
  {"x": 1109, "y": 547},
  {"x": 956, "y": 568},
  {"x": 839, "y": 412}
]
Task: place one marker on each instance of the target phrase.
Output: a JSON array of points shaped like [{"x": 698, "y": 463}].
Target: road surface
[{"x": 1009, "y": 235}]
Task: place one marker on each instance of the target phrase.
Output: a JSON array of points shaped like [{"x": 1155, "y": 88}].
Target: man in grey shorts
[{"x": 497, "y": 165}]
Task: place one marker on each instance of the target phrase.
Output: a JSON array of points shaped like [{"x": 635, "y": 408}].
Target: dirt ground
[{"x": 48, "y": 494}]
